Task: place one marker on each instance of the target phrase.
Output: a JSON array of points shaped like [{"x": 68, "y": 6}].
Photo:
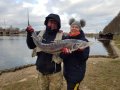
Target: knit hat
[{"x": 80, "y": 23}]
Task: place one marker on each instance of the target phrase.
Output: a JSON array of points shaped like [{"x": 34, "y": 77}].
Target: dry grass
[{"x": 102, "y": 74}]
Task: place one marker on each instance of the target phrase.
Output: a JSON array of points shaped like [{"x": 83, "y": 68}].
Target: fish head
[{"x": 76, "y": 46}]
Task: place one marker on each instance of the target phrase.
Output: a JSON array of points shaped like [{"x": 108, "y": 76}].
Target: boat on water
[{"x": 105, "y": 38}]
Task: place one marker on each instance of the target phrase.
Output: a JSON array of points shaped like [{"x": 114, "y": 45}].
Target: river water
[{"x": 14, "y": 51}]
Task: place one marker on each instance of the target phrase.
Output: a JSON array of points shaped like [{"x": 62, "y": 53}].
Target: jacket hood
[{"x": 55, "y": 17}]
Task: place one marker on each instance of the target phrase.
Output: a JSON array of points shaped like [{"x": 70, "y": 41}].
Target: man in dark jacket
[
  {"x": 75, "y": 62},
  {"x": 49, "y": 71}
]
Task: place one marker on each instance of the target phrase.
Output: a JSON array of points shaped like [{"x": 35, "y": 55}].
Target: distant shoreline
[
  {"x": 21, "y": 34},
  {"x": 29, "y": 65},
  {"x": 15, "y": 68}
]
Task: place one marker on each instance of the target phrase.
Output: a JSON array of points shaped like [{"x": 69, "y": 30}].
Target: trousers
[{"x": 50, "y": 81}]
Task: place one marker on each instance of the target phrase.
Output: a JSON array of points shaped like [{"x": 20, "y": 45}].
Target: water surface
[{"x": 14, "y": 51}]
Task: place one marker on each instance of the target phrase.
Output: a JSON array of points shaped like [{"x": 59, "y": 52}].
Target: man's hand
[
  {"x": 29, "y": 29},
  {"x": 66, "y": 50}
]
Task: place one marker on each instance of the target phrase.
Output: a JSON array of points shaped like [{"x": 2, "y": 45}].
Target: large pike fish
[{"x": 56, "y": 46}]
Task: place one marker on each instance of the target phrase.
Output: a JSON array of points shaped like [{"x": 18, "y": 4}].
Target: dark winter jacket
[
  {"x": 44, "y": 61},
  {"x": 75, "y": 63}
]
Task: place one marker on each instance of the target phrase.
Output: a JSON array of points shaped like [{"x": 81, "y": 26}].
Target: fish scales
[{"x": 56, "y": 46}]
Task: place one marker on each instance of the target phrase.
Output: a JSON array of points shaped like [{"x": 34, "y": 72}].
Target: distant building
[
  {"x": 106, "y": 36},
  {"x": 9, "y": 31}
]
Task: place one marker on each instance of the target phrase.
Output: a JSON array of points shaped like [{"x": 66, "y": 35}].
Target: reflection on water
[
  {"x": 108, "y": 48},
  {"x": 14, "y": 51},
  {"x": 97, "y": 48}
]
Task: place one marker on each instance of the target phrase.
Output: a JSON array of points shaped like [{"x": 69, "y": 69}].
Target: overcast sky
[{"x": 96, "y": 13}]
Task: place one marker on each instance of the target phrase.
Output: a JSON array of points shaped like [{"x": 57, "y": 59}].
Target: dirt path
[
  {"x": 18, "y": 75},
  {"x": 30, "y": 72},
  {"x": 116, "y": 50}
]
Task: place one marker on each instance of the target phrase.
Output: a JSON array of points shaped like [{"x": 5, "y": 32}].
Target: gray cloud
[{"x": 97, "y": 13}]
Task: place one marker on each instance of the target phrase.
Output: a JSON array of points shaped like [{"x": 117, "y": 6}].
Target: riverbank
[{"x": 102, "y": 74}]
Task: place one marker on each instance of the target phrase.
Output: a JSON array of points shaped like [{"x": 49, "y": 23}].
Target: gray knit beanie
[{"x": 80, "y": 23}]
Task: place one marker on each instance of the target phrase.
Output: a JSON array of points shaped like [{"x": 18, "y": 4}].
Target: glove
[
  {"x": 66, "y": 50},
  {"x": 29, "y": 29}
]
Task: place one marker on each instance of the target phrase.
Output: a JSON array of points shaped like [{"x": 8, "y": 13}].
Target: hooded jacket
[
  {"x": 75, "y": 62},
  {"x": 44, "y": 62},
  {"x": 55, "y": 17}
]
